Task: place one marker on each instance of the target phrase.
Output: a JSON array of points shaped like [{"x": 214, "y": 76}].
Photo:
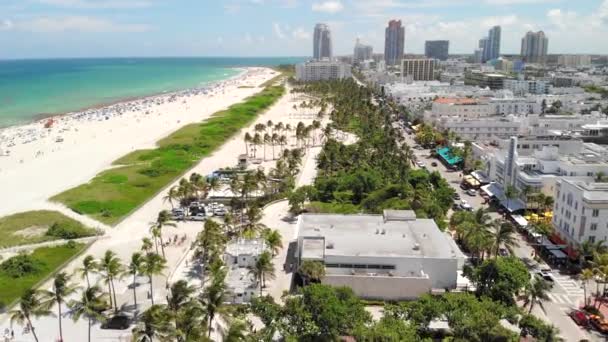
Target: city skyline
[{"x": 104, "y": 28}]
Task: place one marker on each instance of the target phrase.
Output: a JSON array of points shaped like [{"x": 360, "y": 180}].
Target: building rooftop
[
  {"x": 592, "y": 191},
  {"x": 246, "y": 247},
  {"x": 456, "y": 101},
  {"x": 239, "y": 279},
  {"x": 394, "y": 234}
]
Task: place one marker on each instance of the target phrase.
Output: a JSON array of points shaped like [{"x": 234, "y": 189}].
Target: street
[{"x": 566, "y": 295}]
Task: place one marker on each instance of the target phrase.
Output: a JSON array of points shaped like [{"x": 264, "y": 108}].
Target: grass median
[
  {"x": 46, "y": 261},
  {"x": 39, "y": 226},
  {"x": 138, "y": 176}
]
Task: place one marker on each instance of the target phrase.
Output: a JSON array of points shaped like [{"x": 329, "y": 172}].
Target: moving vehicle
[
  {"x": 117, "y": 322},
  {"x": 579, "y": 317},
  {"x": 472, "y": 192}
]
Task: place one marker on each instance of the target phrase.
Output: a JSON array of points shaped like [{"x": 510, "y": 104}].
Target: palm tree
[
  {"x": 510, "y": 193},
  {"x": 61, "y": 290},
  {"x": 153, "y": 264},
  {"x": 248, "y": 139},
  {"x": 586, "y": 275},
  {"x": 213, "y": 299},
  {"x": 263, "y": 269},
  {"x": 112, "y": 268},
  {"x": 273, "y": 240},
  {"x": 171, "y": 195},
  {"x": 236, "y": 332},
  {"x": 315, "y": 126},
  {"x": 89, "y": 265},
  {"x": 274, "y": 139},
  {"x": 30, "y": 306},
  {"x": 253, "y": 225},
  {"x": 163, "y": 220},
  {"x": 504, "y": 235},
  {"x": 256, "y": 141},
  {"x": 90, "y": 305},
  {"x": 134, "y": 269},
  {"x": 311, "y": 271},
  {"x": 209, "y": 242},
  {"x": 266, "y": 140},
  {"x": 146, "y": 244},
  {"x": 179, "y": 296},
  {"x": 535, "y": 293},
  {"x": 155, "y": 324},
  {"x": 548, "y": 203}
]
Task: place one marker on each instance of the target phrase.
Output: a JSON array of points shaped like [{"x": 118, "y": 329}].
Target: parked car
[
  {"x": 456, "y": 207},
  {"x": 463, "y": 186},
  {"x": 198, "y": 217},
  {"x": 434, "y": 164},
  {"x": 465, "y": 205},
  {"x": 472, "y": 192},
  {"x": 599, "y": 323},
  {"x": 579, "y": 317},
  {"x": 219, "y": 212},
  {"x": 456, "y": 196},
  {"x": 117, "y": 322},
  {"x": 178, "y": 214},
  {"x": 420, "y": 164}
]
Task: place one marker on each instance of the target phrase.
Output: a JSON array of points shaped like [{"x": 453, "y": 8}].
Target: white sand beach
[{"x": 37, "y": 162}]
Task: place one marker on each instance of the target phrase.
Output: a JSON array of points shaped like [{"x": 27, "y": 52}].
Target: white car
[
  {"x": 472, "y": 192},
  {"x": 420, "y": 164},
  {"x": 465, "y": 205}
]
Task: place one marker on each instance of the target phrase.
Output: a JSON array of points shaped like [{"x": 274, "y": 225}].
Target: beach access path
[{"x": 45, "y": 162}]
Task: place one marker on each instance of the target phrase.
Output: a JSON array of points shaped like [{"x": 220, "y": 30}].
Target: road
[{"x": 567, "y": 293}]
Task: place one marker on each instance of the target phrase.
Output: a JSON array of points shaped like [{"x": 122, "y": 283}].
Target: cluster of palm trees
[
  {"x": 92, "y": 301},
  {"x": 594, "y": 259},
  {"x": 271, "y": 134},
  {"x": 542, "y": 202},
  {"x": 191, "y": 189},
  {"x": 481, "y": 235}
]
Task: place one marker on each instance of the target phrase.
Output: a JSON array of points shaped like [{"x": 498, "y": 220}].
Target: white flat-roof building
[
  {"x": 580, "y": 212},
  {"x": 391, "y": 256},
  {"x": 540, "y": 171},
  {"x": 523, "y": 87},
  {"x": 239, "y": 255},
  {"x": 322, "y": 70}
]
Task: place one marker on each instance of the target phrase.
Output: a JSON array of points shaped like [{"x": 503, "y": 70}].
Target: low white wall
[{"x": 378, "y": 287}]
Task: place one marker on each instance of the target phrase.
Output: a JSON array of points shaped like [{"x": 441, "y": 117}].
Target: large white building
[
  {"x": 580, "y": 212},
  {"x": 574, "y": 61},
  {"x": 418, "y": 69},
  {"x": 393, "y": 256},
  {"x": 322, "y": 70},
  {"x": 523, "y": 87},
  {"x": 540, "y": 170},
  {"x": 483, "y": 107}
]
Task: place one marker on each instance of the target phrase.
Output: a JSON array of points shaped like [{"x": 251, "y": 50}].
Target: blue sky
[{"x": 100, "y": 28}]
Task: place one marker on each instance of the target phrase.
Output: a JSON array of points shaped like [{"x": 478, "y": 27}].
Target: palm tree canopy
[
  {"x": 30, "y": 305},
  {"x": 90, "y": 304}
]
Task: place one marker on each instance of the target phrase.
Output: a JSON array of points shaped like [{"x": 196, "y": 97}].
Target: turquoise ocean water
[{"x": 30, "y": 89}]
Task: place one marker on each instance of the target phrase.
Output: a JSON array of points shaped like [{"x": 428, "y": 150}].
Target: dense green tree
[
  {"x": 501, "y": 279},
  {"x": 156, "y": 324}
]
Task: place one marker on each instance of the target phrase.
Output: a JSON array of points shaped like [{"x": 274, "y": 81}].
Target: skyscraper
[
  {"x": 437, "y": 49},
  {"x": 394, "y": 41},
  {"x": 362, "y": 52},
  {"x": 491, "y": 44},
  {"x": 322, "y": 44},
  {"x": 534, "y": 47}
]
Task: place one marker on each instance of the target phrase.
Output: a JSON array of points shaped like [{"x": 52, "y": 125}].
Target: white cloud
[
  {"x": 518, "y": 2},
  {"x": 278, "y": 31},
  {"x": 6, "y": 24},
  {"x": 300, "y": 34},
  {"x": 328, "y": 6},
  {"x": 98, "y": 3},
  {"x": 76, "y": 23}
]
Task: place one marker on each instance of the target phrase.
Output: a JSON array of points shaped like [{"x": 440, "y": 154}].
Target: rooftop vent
[
  {"x": 377, "y": 231},
  {"x": 416, "y": 246},
  {"x": 383, "y": 231},
  {"x": 330, "y": 245}
]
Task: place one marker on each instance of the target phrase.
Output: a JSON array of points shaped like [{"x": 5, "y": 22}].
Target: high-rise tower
[
  {"x": 322, "y": 44},
  {"x": 394, "y": 41},
  {"x": 534, "y": 46}
]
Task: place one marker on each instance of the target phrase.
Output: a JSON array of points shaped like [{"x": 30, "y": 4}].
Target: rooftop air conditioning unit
[
  {"x": 330, "y": 245},
  {"x": 416, "y": 246},
  {"x": 383, "y": 231}
]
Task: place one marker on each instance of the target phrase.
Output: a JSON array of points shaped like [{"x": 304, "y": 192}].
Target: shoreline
[
  {"x": 39, "y": 118},
  {"x": 37, "y": 163}
]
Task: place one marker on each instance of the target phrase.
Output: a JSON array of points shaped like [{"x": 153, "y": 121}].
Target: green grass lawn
[
  {"x": 31, "y": 227},
  {"x": 50, "y": 258},
  {"x": 138, "y": 176}
]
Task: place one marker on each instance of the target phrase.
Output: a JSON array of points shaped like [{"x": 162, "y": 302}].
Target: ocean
[{"x": 30, "y": 89}]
